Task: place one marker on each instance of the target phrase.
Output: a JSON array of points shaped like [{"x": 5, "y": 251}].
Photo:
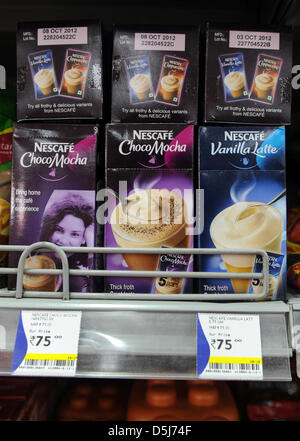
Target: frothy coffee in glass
[
  {"x": 74, "y": 78},
  {"x": 140, "y": 83},
  {"x": 44, "y": 78},
  {"x": 264, "y": 84},
  {"x": 170, "y": 85},
  {"x": 150, "y": 219},
  {"x": 235, "y": 81},
  {"x": 41, "y": 282},
  {"x": 246, "y": 225}
]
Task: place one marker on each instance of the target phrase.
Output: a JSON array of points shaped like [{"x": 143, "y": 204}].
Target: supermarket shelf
[
  {"x": 294, "y": 328},
  {"x": 137, "y": 338},
  {"x": 140, "y": 336}
]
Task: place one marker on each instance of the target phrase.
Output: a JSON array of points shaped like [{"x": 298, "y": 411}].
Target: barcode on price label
[
  {"x": 229, "y": 346},
  {"x": 49, "y": 363},
  {"x": 233, "y": 366}
]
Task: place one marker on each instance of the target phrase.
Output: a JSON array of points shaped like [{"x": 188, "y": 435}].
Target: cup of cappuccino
[{"x": 151, "y": 219}]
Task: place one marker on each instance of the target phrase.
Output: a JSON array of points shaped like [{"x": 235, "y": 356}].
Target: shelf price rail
[{"x": 142, "y": 335}]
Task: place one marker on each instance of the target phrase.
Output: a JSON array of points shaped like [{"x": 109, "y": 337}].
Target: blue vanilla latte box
[{"x": 243, "y": 182}]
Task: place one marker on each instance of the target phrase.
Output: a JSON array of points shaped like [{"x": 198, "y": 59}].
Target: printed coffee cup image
[
  {"x": 246, "y": 225},
  {"x": 44, "y": 78},
  {"x": 170, "y": 85},
  {"x": 258, "y": 287},
  {"x": 169, "y": 285},
  {"x": 150, "y": 219},
  {"x": 73, "y": 79},
  {"x": 41, "y": 282},
  {"x": 235, "y": 81},
  {"x": 264, "y": 84},
  {"x": 140, "y": 84}
]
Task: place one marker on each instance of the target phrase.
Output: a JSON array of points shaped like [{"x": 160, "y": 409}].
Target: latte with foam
[
  {"x": 140, "y": 83},
  {"x": 149, "y": 219},
  {"x": 169, "y": 86},
  {"x": 264, "y": 84},
  {"x": 235, "y": 81},
  {"x": 246, "y": 225},
  {"x": 41, "y": 282},
  {"x": 44, "y": 78},
  {"x": 73, "y": 78}
]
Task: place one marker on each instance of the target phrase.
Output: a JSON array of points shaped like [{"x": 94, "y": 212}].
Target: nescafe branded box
[
  {"x": 150, "y": 194},
  {"x": 248, "y": 74},
  {"x": 53, "y": 199},
  {"x": 155, "y": 74},
  {"x": 59, "y": 70},
  {"x": 243, "y": 178}
]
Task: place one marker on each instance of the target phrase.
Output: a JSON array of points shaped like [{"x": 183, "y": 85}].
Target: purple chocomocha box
[
  {"x": 53, "y": 199},
  {"x": 75, "y": 73},
  {"x": 149, "y": 184},
  {"x": 171, "y": 80},
  {"x": 265, "y": 79}
]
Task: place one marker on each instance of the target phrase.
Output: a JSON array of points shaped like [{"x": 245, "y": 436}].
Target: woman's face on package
[{"x": 69, "y": 232}]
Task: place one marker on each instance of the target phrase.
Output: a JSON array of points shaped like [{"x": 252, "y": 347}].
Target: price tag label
[
  {"x": 229, "y": 346},
  {"x": 46, "y": 343}
]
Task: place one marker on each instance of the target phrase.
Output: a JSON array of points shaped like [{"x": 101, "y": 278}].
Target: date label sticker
[
  {"x": 254, "y": 40},
  {"x": 159, "y": 41},
  {"x": 58, "y": 36},
  {"x": 46, "y": 343},
  {"x": 229, "y": 346}
]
